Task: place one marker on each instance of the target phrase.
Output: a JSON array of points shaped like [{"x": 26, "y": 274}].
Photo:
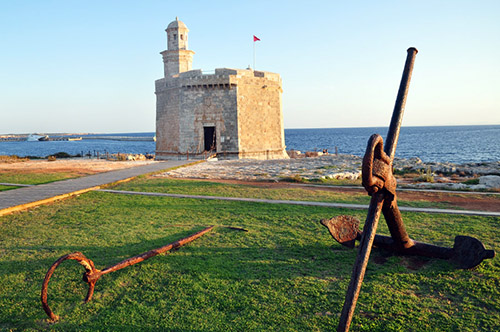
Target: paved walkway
[
  {"x": 427, "y": 190},
  {"x": 26, "y": 197},
  {"x": 23, "y": 198},
  {"x": 308, "y": 203}
]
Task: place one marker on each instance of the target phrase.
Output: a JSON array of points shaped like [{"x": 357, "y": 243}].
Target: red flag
[{"x": 255, "y": 38}]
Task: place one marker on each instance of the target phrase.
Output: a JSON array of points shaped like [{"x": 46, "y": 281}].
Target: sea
[{"x": 455, "y": 144}]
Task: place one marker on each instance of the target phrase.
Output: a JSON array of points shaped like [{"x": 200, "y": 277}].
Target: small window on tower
[
  {"x": 182, "y": 37},
  {"x": 175, "y": 36}
]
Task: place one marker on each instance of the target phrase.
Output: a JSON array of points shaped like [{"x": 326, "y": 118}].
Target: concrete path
[
  {"x": 307, "y": 203},
  {"x": 427, "y": 190},
  {"x": 23, "y": 198}
]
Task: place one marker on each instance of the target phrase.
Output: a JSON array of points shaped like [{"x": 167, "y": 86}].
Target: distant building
[{"x": 234, "y": 113}]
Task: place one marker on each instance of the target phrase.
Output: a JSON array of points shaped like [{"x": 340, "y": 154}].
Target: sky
[{"x": 90, "y": 66}]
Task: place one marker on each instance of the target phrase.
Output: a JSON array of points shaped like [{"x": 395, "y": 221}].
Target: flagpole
[
  {"x": 254, "y": 54},
  {"x": 254, "y": 40}
]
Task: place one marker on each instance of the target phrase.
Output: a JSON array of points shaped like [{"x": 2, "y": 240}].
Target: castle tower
[
  {"x": 177, "y": 58},
  {"x": 231, "y": 114}
]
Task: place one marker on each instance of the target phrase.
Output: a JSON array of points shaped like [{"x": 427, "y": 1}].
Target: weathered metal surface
[
  {"x": 92, "y": 275},
  {"x": 359, "y": 269},
  {"x": 344, "y": 229},
  {"x": 377, "y": 168},
  {"x": 378, "y": 191},
  {"x": 467, "y": 252},
  {"x": 380, "y": 183}
]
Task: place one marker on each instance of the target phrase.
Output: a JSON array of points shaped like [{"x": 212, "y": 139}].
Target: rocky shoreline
[{"x": 410, "y": 172}]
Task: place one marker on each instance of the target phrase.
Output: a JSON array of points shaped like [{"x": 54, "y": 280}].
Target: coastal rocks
[
  {"x": 467, "y": 169},
  {"x": 326, "y": 166},
  {"x": 126, "y": 157},
  {"x": 343, "y": 175},
  {"x": 448, "y": 186},
  {"x": 295, "y": 154},
  {"x": 340, "y": 167},
  {"x": 307, "y": 154},
  {"x": 136, "y": 157},
  {"x": 486, "y": 182},
  {"x": 312, "y": 154},
  {"x": 490, "y": 181}
]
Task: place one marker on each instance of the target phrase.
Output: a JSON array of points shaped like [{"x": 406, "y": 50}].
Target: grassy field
[
  {"x": 2, "y": 188},
  {"x": 34, "y": 178},
  {"x": 193, "y": 187},
  {"x": 284, "y": 274}
]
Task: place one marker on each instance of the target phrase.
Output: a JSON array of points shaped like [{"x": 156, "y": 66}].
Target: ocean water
[
  {"x": 83, "y": 147},
  {"x": 456, "y": 144}
]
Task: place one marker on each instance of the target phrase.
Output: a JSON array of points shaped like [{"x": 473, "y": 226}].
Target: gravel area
[{"x": 445, "y": 175}]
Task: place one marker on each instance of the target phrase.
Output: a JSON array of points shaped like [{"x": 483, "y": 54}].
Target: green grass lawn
[
  {"x": 2, "y": 188},
  {"x": 284, "y": 274},
  {"x": 35, "y": 178},
  {"x": 193, "y": 187}
]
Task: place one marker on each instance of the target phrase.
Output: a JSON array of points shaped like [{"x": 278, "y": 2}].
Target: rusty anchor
[
  {"x": 92, "y": 275},
  {"x": 467, "y": 251},
  {"x": 380, "y": 183}
]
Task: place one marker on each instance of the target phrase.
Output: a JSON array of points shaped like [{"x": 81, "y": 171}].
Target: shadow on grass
[{"x": 191, "y": 273}]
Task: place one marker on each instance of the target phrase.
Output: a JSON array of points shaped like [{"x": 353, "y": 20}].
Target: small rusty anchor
[
  {"x": 92, "y": 275},
  {"x": 380, "y": 183}
]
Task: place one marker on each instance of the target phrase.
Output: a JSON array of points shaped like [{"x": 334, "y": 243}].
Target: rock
[
  {"x": 310, "y": 154},
  {"x": 294, "y": 154},
  {"x": 343, "y": 175},
  {"x": 136, "y": 157},
  {"x": 490, "y": 181}
]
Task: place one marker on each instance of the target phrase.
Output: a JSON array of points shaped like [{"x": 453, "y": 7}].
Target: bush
[
  {"x": 425, "y": 176},
  {"x": 61, "y": 155},
  {"x": 471, "y": 181},
  {"x": 294, "y": 178},
  {"x": 12, "y": 159}
]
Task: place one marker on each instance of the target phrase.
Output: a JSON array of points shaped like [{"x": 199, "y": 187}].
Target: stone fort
[{"x": 233, "y": 113}]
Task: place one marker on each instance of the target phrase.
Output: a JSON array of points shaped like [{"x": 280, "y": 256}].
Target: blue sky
[{"x": 90, "y": 66}]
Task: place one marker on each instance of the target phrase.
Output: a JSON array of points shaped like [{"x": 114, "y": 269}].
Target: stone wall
[
  {"x": 208, "y": 106},
  {"x": 260, "y": 117},
  {"x": 244, "y": 107},
  {"x": 167, "y": 119}
]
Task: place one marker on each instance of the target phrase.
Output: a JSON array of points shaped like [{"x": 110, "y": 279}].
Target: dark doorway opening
[{"x": 209, "y": 133}]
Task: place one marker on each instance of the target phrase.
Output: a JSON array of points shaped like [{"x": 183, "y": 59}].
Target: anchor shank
[
  {"x": 377, "y": 199},
  {"x": 362, "y": 258},
  {"x": 154, "y": 252},
  {"x": 397, "y": 115}
]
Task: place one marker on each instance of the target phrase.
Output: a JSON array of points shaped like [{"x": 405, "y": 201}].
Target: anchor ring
[{"x": 89, "y": 270}]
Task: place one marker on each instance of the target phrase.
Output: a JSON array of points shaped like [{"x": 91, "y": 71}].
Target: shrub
[
  {"x": 471, "y": 181},
  {"x": 61, "y": 155},
  {"x": 425, "y": 176}
]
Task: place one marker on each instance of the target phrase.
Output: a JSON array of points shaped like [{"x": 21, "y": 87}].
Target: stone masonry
[{"x": 233, "y": 113}]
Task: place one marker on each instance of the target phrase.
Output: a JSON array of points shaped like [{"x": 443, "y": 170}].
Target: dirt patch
[
  {"x": 75, "y": 166},
  {"x": 470, "y": 201}
]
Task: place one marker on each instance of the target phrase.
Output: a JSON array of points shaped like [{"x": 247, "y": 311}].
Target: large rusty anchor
[
  {"x": 467, "y": 251},
  {"x": 379, "y": 182},
  {"x": 92, "y": 275}
]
